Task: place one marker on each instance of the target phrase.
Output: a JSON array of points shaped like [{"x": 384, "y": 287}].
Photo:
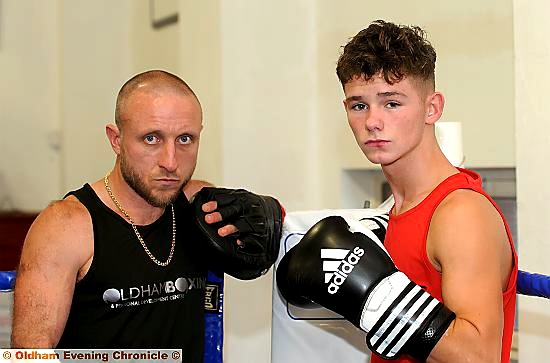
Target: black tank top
[{"x": 125, "y": 300}]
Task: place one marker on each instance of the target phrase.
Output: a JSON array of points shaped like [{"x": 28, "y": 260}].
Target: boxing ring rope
[
  {"x": 7, "y": 281},
  {"x": 529, "y": 284},
  {"x": 533, "y": 284}
]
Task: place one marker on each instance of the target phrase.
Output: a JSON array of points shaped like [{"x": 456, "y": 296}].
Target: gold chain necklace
[{"x": 160, "y": 263}]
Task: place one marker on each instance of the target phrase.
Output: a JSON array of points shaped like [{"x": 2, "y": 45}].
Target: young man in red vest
[{"x": 447, "y": 294}]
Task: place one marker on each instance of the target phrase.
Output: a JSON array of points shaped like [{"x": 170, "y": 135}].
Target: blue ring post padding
[
  {"x": 7, "y": 280},
  {"x": 213, "y": 319},
  {"x": 533, "y": 284}
]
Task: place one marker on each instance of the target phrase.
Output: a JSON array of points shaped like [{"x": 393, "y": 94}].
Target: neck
[
  {"x": 140, "y": 211},
  {"x": 412, "y": 180}
]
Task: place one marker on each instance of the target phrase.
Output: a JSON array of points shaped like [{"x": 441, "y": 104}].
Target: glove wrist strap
[
  {"x": 400, "y": 317},
  {"x": 421, "y": 345}
]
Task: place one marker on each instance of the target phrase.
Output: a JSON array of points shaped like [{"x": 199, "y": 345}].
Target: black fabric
[
  {"x": 259, "y": 220},
  {"x": 125, "y": 300}
]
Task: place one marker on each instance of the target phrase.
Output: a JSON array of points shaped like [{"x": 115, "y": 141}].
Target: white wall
[
  {"x": 269, "y": 104},
  {"x": 269, "y": 111},
  {"x": 29, "y": 102},
  {"x": 532, "y": 50},
  {"x": 152, "y": 47},
  {"x": 200, "y": 62},
  {"x": 94, "y": 61}
]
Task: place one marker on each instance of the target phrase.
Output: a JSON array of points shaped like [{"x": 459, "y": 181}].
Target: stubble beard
[{"x": 135, "y": 181}]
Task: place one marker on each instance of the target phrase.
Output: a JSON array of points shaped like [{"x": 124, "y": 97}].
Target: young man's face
[
  {"x": 388, "y": 121},
  {"x": 159, "y": 145}
]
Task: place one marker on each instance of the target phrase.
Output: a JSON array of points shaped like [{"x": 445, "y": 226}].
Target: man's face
[
  {"x": 159, "y": 144},
  {"x": 388, "y": 121}
]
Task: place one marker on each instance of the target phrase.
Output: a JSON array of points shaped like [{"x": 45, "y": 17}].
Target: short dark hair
[
  {"x": 157, "y": 78},
  {"x": 394, "y": 51}
]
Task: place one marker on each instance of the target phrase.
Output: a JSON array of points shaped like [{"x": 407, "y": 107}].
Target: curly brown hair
[{"x": 394, "y": 51}]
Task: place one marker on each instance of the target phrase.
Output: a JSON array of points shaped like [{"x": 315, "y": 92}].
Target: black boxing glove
[
  {"x": 350, "y": 273},
  {"x": 259, "y": 220}
]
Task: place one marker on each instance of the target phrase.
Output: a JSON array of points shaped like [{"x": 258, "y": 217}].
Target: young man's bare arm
[
  {"x": 57, "y": 246},
  {"x": 467, "y": 242}
]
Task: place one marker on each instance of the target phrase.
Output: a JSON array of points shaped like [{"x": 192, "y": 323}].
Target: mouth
[
  {"x": 167, "y": 181},
  {"x": 376, "y": 143}
]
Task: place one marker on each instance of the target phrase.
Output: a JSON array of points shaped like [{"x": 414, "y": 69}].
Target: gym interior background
[{"x": 264, "y": 72}]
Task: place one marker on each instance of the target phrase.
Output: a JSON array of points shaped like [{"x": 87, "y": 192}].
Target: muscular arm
[
  {"x": 58, "y": 245},
  {"x": 467, "y": 242}
]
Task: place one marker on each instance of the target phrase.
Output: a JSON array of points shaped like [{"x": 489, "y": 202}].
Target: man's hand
[{"x": 243, "y": 230}]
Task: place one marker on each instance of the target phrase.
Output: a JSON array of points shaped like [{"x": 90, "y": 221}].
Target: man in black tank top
[{"x": 115, "y": 264}]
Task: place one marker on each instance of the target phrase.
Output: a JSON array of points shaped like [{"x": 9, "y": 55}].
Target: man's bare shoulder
[
  {"x": 464, "y": 225},
  {"x": 63, "y": 228},
  {"x": 66, "y": 213},
  {"x": 69, "y": 207},
  {"x": 466, "y": 204}
]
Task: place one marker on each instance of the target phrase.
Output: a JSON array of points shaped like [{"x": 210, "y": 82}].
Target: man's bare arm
[
  {"x": 58, "y": 244},
  {"x": 468, "y": 244}
]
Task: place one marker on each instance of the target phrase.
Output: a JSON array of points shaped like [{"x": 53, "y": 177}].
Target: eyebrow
[
  {"x": 379, "y": 94},
  {"x": 390, "y": 93},
  {"x": 353, "y": 98}
]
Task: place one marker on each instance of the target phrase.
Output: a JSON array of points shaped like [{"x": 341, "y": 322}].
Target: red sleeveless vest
[{"x": 412, "y": 259}]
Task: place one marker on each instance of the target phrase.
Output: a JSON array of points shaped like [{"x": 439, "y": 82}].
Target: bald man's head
[{"x": 155, "y": 82}]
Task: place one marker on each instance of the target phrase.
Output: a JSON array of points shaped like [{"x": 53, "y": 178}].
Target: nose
[
  {"x": 374, "y": 120},
  {"x": 168, "y": 159}
]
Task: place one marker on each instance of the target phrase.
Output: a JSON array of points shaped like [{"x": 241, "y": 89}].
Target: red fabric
[{"x": 411, "y": 257}]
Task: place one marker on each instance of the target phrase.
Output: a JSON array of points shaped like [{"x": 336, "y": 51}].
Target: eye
[
  {"x": 150, "y": 139},
  {"x": 358, "y": 106},
  {"x": 392, "y": 104},
  {"x": 185, "y": 139}
]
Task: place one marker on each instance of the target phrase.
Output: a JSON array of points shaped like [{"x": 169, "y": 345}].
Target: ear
[
  {"x": 434, "y": 106},
  {"x": 113, "y": 134}
]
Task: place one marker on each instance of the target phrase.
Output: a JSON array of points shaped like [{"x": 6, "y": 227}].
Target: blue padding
[
  {"x": 213, "y": 319},
  {"x": 7, "y": 280},
  {"x": 532, "y": 284}
]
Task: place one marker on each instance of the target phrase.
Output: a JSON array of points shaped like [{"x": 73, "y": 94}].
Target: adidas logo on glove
[{"x": 338, "y": 264}]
